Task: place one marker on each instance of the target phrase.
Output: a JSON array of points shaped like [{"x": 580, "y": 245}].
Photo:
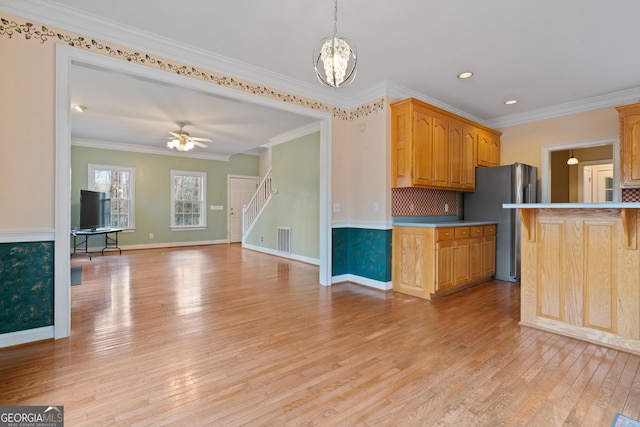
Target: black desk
[{"x": 109, "y": 242}]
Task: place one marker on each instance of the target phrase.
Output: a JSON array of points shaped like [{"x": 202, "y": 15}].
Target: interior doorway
[
  {"x": 596, "y": 183},
  {"x": 240, "y": 190},
  {"x": 555, "y": 174},
  {"x": 68, "y": 57}
]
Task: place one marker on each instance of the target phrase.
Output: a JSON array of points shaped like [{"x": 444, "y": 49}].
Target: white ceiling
[
  {"x": 123, "y": 109},
  {"x": 545, "y": 53}
]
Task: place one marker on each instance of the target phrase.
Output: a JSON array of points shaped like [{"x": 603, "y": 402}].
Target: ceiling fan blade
[
  {"x": 199, "y": 144},
  {"x": 193, "y": 138},
  {"x": 175, "y": 135}
]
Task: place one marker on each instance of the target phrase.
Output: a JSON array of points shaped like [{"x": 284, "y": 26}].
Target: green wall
[
  {"x": 152, "y": 192},
  {"x": 295, "y": 174}
]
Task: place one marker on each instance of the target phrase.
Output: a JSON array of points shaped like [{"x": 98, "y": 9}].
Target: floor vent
[{"x": 284, "y": 239}]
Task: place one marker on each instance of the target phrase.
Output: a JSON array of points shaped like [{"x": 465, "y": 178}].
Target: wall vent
[{"x": 284, "y": 239}]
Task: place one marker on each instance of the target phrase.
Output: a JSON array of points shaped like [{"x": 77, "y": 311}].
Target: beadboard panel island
[{"x": 581, "y": 271}]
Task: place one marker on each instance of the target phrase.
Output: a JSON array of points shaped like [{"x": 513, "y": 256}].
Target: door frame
[
  {"x": 545, "y": 172},
  {"x": 591, "y": 164},
  {"x": 66, "y": 58},
  {"x": 229, "y": 178}
]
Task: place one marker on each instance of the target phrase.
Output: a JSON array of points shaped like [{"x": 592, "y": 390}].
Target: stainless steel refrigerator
[{"x": 514, "y": 183}]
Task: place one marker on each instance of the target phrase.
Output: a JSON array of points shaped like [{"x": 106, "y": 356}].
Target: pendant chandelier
[
  {"x": 572, "y": 160},
  {"x": 335, "y": 58}
]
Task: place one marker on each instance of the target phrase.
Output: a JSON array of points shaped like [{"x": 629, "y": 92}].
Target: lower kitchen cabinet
[{"x": 432, "y": 261}]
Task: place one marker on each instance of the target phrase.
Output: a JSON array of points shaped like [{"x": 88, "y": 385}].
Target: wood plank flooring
[{"x": 221, "y": 336}]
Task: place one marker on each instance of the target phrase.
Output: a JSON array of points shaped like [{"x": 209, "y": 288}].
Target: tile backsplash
[
  {"x": 631, "y": 194},
  {"x": 423, "y": 202}
]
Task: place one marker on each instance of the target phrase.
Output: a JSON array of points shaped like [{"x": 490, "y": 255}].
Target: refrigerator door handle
[{"x": 513, "y": 235}]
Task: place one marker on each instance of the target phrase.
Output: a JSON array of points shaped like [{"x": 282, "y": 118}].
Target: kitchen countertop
[
  {"x": 610, "y": 205},
  {"x": 444, "y": 224}
]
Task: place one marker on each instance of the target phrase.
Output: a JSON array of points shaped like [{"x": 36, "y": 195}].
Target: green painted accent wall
[
  {"x": 26, "y": 286},
  {"x": 295, "y": 174},
  {"x": 362, "y": 252},
  {"x": 152, "y": 192}
]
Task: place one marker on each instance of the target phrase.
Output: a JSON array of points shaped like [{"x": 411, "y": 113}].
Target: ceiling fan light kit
[
  {"x": 181, "y": 140},
  {"x": 335, "y": 59}
]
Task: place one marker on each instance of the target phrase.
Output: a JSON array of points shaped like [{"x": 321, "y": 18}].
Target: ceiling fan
[{"x": 181, "y": 140}]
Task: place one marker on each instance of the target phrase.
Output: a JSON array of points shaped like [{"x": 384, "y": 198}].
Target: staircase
[{"x": 254, "y": 208}]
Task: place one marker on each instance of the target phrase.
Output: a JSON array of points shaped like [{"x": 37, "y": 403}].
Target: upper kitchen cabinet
[
  {"x": 629, "y": 145},
  {"x": 432, "y": 148},
  {"x": 462, "y": 148},
  {"x": 488, "y": 146}
]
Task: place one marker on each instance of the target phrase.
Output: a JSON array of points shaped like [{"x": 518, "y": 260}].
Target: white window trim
[
  {"x": 132, "y": 182},
  {"x": 203, "y": 225}
]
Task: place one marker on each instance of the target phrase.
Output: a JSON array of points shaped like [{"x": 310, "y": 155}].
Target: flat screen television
[{"x": 95, "y": 210}]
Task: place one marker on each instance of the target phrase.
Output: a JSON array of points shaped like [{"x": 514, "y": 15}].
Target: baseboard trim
[
  {"x": 157, "y": 246},
  {"x": 375, "y": 284},
  {"x": 26, "y": 336},
  {"x": 301, "y": 258}
]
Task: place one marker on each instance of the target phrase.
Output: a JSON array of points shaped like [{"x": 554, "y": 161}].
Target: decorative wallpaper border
[{"x": 44, "y": 34}]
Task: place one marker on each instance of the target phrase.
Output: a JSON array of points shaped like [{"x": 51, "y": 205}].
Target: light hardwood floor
[{"x": 221, "y": 336}]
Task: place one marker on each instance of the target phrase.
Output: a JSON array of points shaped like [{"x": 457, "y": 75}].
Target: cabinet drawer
[
  {"x": 489, "y": 230},
  {"x": 445, "y": 234},
  {"x": 462, "y": 232},
  {"x": 476, "y": 231}
]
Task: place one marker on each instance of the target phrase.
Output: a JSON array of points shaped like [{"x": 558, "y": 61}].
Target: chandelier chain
[{"x": 335, "y": 19}]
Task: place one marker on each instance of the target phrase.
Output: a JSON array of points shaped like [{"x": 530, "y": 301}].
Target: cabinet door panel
[
  {"x": 483, "y": 149},
  {"x": 494, "y": 151},
  {"x": 476, "y": 265},
  {"x": 461, "y": 262},
  {"x": 422, "y": 136},
  {"x": 631, "y": 151},
  {"x": 456, "y": 156},
  {"x": 440, "y": 153},
  {"x": 489, "y": 256},
  {"x": 444, "y": 264},
  {"x": 401, "y": 146},
  {"x": 468, "y": 166}
]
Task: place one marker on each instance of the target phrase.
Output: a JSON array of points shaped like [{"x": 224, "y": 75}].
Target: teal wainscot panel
[
  {"x": 26, "y": 286},
  {"x": 362, "y": 252}
]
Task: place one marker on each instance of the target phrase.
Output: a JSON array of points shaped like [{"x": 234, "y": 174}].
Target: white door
[
  {"x": 587, "y": 180},
  {"x": 603, "y": 183},
  {"x": 240, "y": 190},
  {"x": 596, "y": 183}
]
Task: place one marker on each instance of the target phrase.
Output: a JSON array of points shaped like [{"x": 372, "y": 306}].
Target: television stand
[{"x": 109, "y": 242}]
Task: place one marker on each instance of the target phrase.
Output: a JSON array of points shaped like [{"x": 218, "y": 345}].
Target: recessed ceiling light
[
  {"x": 465, "y": 75},
  {"x": 80, "y": 108},
  {"x": 511, "y": 102}
]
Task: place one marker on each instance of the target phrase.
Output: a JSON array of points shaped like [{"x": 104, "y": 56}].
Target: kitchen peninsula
[{"x": 581, "y": 271}]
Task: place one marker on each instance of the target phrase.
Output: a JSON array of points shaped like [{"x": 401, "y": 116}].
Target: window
[
  {"x": 119, "y": 181},
  {"x": 188, "y": 200}
]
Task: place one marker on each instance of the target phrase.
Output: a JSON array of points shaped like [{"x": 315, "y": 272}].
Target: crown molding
[
  {"x": 137, "y": 148},
  {"x": 397, "y": 91},
  {"x": 293, "y": 134},
  {"x": 615, "y": 99}
]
